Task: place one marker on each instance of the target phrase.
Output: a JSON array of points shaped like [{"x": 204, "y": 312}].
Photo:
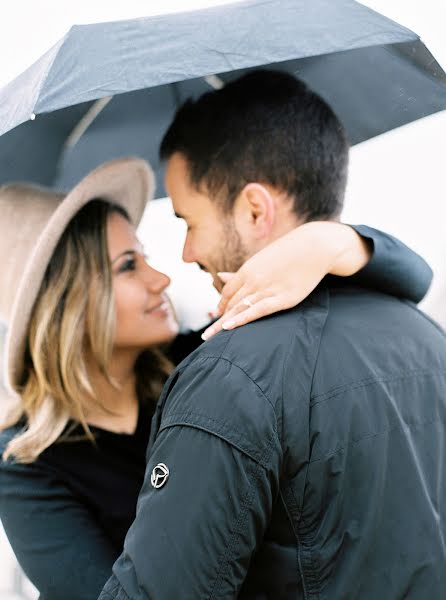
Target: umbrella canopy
[{"x": 376, "y": 74}]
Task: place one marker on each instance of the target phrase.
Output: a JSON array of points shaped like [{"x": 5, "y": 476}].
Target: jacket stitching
[
  {"x": 204, "y": 358},
  {"x": 292, "y": 507},
  {"x": 375, "y": 434},
  {"x": 305, "y": 565},
  {"x": 247, "y": 503},
  {"x": 257, "y": 457},
  {"x": 122, "y": 595},
  {"x": 372, "y": 381},
  {"x": 169, "y": 419},
  {"x": 110, "y": 593},
  {"x": 220, "y": 424}
]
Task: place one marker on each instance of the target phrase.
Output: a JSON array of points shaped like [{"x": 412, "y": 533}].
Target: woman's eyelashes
[{"x": 129, "y": 264}]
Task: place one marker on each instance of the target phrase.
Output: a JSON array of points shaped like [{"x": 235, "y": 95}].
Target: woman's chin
[
  {"x": 163, "y": 334},
  {"x": 172, "y": 333}
]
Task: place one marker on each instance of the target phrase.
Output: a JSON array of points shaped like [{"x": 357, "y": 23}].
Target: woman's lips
[{"x": 161, "y": 307}]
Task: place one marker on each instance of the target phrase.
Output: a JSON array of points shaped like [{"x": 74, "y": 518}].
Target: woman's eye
[{"x": 128, "y": 265}]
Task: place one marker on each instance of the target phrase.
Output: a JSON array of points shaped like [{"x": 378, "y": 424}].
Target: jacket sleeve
[
  {"x": 194, "y": 536},
  {"x": 56, "y": 541},
  {"x": 393, "y": 268}
]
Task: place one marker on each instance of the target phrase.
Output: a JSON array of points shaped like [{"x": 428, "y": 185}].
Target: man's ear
[{"x": 258, "y": 209}]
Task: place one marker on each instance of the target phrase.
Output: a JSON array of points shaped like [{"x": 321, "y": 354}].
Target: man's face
[{"x": 212, "y": 240}]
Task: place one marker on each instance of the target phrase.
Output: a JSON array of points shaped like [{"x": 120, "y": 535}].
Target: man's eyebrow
[{"x": 178, "y": 216}]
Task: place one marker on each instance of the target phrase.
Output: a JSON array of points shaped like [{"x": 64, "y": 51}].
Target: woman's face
[{"x": 144, "y": 316}]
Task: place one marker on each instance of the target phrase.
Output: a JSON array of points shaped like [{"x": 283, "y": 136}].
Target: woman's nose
[
  {"x": 156, "y": 280},
  {"x": 188, "y": 254}
]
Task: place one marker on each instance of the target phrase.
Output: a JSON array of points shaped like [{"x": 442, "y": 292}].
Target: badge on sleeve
[{"x": 160, "y": 475}]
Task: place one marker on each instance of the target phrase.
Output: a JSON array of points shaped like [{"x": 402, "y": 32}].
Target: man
[{"x": 301, "y": 456}]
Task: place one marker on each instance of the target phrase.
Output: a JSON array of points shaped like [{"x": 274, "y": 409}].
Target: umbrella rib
[
  {"x": 81, "y": 127},
  {"x": 214, "y": 81}
]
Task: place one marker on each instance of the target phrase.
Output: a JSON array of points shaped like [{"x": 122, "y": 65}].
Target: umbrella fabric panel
[
  {"x": 372, "y": 90},
  {"x": 131, "y": 124},
  {"x": 345, "y": 56},
  {"x": 18, "y": 98},
  {"x": 390, "y": 88},
  {"x": 31, "y": 152},
  {"x": 129, "y": 55},
  {"x": 93, "y": 61}
]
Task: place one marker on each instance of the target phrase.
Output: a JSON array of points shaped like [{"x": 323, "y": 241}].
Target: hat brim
[{"x": 127, "y": 182}]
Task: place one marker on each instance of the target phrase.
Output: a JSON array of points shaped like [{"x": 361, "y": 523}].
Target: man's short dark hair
[{"x": 266, "y": 127}]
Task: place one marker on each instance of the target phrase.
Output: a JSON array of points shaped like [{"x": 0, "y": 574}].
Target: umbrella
[{"x": 111, "y": 89}]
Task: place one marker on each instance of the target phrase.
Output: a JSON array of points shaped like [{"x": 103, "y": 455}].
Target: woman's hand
[{"x": 286, "y": 271}]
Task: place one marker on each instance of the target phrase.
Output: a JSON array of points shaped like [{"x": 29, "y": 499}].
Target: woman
[{"x": 86, "y": 318}]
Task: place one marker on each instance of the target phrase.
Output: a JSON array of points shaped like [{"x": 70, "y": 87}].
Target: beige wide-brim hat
[{"x": 32, "y": 220}]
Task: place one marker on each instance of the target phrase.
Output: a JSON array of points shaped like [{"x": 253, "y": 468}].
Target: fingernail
[
  {"x": 228, "y": 325},
  {"x": 205, "y": 335},
  {"x": 224, "y": 276}
]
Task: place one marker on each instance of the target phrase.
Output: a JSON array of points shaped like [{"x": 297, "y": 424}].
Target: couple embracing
[{"x": 299, "y": 456}]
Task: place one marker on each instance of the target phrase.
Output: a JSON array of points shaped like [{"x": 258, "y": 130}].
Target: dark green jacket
[{"x": 307, "y": 459}]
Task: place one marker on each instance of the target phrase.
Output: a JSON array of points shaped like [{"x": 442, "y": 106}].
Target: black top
[
  {"x": 75, "y": 504},
  {"x": 67, "y": 513},
  {"x": 113, "y": 468}
]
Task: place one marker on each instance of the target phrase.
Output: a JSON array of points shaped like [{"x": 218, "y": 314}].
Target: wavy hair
[{"x": 74, "y": 310}]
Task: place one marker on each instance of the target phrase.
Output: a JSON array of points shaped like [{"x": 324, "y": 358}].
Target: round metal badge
[{"x": 160, "y": 475}]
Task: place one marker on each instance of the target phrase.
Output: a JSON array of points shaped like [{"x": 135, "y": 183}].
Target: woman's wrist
[{"x": 344, "y": 251}]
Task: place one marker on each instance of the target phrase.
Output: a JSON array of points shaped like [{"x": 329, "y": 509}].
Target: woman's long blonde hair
[{"x": 74, "y": 310}]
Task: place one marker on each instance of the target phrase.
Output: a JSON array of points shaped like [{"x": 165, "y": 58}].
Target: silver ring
[{"x": 247, "y": 302}]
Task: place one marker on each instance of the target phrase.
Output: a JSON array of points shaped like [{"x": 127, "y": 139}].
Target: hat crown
[{"x": 24, "y": 213}]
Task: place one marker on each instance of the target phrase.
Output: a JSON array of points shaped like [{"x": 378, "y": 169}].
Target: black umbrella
[{"x": 376, "y": 74}]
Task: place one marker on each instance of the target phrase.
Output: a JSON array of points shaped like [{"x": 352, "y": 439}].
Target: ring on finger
[{"x": 248, "y": 302}]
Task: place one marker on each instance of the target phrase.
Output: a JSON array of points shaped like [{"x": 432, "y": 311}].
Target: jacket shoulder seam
[
  {"x": 230, "y": 435},
  {"x": 237, "y": 366}
]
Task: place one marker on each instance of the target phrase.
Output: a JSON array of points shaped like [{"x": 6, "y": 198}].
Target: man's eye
[{"x": 128, "y": 265}]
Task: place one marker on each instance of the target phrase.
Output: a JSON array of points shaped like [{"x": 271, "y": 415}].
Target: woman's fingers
[
  {"x": 260, "y": 309},
  {"x": 225, "y": 276},
  {"x": 233, "y": 282},
  {"x": 292, "y": 266},
  {"x": 249, "y": 309},
  {"x": 237, "y": 298},
  {"x": 227, "y": 316}
]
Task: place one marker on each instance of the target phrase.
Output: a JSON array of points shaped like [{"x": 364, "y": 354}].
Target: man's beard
[
  {"x": 230, "y": 254},
  {"x": 234, "y": 252}
]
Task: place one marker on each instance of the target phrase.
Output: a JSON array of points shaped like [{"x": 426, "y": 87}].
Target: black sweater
[{"x": 67, "y": 514}]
